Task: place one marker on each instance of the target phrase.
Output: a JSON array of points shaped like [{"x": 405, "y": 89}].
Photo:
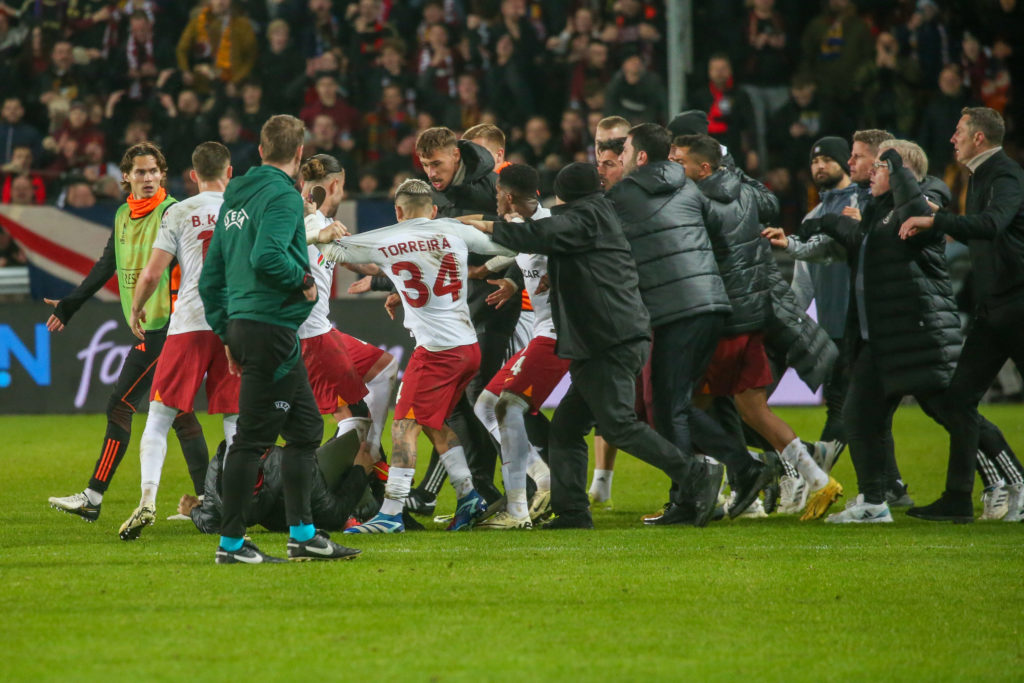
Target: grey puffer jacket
[
  {"x": 662, "y": 215},
  {"x": 743, "y": 256}
]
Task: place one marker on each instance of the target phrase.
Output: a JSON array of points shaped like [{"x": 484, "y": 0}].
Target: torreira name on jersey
[{"x": 426, "y": 260}]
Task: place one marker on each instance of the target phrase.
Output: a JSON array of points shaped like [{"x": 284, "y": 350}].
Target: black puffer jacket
[
  {"x": 595, "y": 296},
  {"x": 743, "y": 256},
  {"x": 793, "y": 340},
  {"x": 662, "y": 216},
  {"x": 912, "y": 319},
  {"x": 331, "y": 509}
]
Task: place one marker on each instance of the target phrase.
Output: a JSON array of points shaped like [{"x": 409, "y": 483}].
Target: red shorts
[
  {"x": 739, "y": 363},
  {"x": 363, "y": 356},
  {"x": 186, "y": 358},
  {"x": 532, "y": 373},
  {"x": 433, "y": 383},
  {"x": 334, "y": 379}
]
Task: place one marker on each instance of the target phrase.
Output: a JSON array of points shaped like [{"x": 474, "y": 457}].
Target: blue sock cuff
[
  {"x": 302, "y": 532},
  {"x": 230, "y": 544}
]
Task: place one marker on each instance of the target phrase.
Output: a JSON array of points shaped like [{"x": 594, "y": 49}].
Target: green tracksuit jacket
[{"x": 257, "y": 258}]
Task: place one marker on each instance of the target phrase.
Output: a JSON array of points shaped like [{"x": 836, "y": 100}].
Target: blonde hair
[
  {"x": 414, "y": 194},
  {"x": 913, "y": 156}
]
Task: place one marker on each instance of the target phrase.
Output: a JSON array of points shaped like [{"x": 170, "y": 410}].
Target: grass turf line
[{"x": 771, "y": 599}]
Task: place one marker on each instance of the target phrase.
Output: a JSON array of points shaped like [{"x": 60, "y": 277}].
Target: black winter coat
[
  {"x": 595, "y": 295},
  {"x": 331, "y": 509},
  {"x": 662, "y": 216},
  {"x": 912, "y": 320},
  {"x": 743, "y": 256},
  {"x": 993, "y": 229}
]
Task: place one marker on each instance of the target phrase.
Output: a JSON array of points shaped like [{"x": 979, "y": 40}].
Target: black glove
[{"x": 893, "y": 158}]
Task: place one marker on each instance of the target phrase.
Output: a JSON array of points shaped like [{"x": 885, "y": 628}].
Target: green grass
[{"x": 771, "y": 599}]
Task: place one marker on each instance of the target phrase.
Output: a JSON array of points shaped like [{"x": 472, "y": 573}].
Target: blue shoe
[
  {"x": 471, "y": 507},
  {"x": 380, "y": 524}
]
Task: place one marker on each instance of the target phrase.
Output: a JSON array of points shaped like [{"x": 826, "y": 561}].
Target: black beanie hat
[
  {"x": 690, "y": 122},
  {"x": 577, "y": 180},
  {"x": 835, "y": 148}
]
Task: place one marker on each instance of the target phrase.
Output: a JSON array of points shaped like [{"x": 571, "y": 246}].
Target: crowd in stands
[{"x": 81, "y": 80}]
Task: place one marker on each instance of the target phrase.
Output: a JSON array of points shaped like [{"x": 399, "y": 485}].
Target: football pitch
[{"x": 744, "y": 600}]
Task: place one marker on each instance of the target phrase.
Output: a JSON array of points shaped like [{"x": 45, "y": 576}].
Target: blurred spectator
[
  {"x": 635, "y": 93},
  {"x": 63, "y": 78},
  {"x": 574, "y": 140},
  {"x": 323, "y": 31},
  {"x": 465, "y": 111},
  {"x": 973, "y": 64},
  {"x": 795, "y": 127},
  {"x": 887, "y": 88},
  {"x": 324, "y": 140},
  {"x": 995, "y": 86},
  {"x": 183, "y": 128},
  {"x": 940, "y": 118},
  {"x": 926, "y": 40},
  {"x": 437, "y": 67},
  {"x": 368, "y": 184},
  {"x": 93, "y": 25},
  {"x": 281, "y": 69},
  {"x": 765, "y": 65},
  {"x": 77, "y": 194},
  {"x": 20, "y": 165},
  {"x": 368, "y": 32},
  {"x": 537, "y": 149},
  {"x": 11, "y": 39},
  {"x": 328, "y": 101},
  {"x": 93, "y": 164},
  {"x": 508, "y": 90},
  {"x": 243, "y": 152},
  {"x": 593, "y": 70},
  {"x": 730, "y": 114},
  {"x": 218, "y": 45},
  {"x": 390, "y": 70},
  {"x": 382, "y": 129},
  {"x": 634, "y": 27},
  {"x": 10, "y": 253},
  {"x": 21, "y": 190},
  {"x": 136, "y": 64},
  {"x": 834, "y": 45},
  {"x": 515, "y": 24},
  {"x": 14, "y": 131},
  {"x": 252, "y": 112}
]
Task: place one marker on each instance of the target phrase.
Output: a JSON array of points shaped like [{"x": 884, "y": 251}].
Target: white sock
[
  {"x": 153, "y": 448},
  {"x": 359, "y": 425},
  {"x": 796, "y": 454},
  {"x": 95, "y": 497},
  {"x": 601, "y": 485},
  {"x": 484, "y": 409},
  {"x": 380, "y": 387},
  {"x": 517, "y": 506},
  {"x": 515, "y": 445},
  {"x": 538, "y": 470},
  {"x": 454, "y": 461},
  {"x": 397, "y": 489},
  {"x": 230, "y": 428}
]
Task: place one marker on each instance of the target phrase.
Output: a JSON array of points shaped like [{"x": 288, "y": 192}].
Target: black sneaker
[
  {"x": 247, "y": 554},
  {"x": 420, "y": 502},
  {"x": 772, "y": 489},
  {"x": 748, "y": 485},
  {"x": 705, "y": 494},
  {"x": 898, "y": 497},
  {"x": 677, "y": 513},
  {"x": 578, "y": 521},
  {"x": 320, "y": 547},
  {"x": 956, "y": 508}
]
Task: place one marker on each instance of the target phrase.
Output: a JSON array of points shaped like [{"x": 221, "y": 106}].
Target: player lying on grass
[{"x": 426, "y": 259}]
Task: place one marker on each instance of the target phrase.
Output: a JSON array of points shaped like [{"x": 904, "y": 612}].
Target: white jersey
[
  {"x": 426, "y": 260},
  {"x": 185, "y": 231},
  {"x": 323, "y": 272},
  {"x": 534, "y": 267}
]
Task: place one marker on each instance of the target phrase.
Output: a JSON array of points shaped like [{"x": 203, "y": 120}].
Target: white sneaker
[
  {"x": 861, "y": 513},
  {"x": 826, "y": 453},
  {"x": 504, "y": 521},
  {"x": 754, "y": 511},
  {"x": 178, "y": 517},
  {"x": 996, "y": 499},
  {"x": 793, "y": 492},
  {"x": 540, "y": 506},
  {"x": 1014, "y": 503}
]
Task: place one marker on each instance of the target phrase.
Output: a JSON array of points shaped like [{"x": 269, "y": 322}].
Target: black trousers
[
  {"x": 275, "y": 398},
  {"x": 989, "y": 343},
  {"x": 131, "y": 392},
  {"x": 603, "y": 392},
  {"x": 834, "y": 393}
]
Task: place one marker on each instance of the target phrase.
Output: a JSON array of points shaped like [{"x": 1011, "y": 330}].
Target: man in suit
[{"x": 993, "y": 228}]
